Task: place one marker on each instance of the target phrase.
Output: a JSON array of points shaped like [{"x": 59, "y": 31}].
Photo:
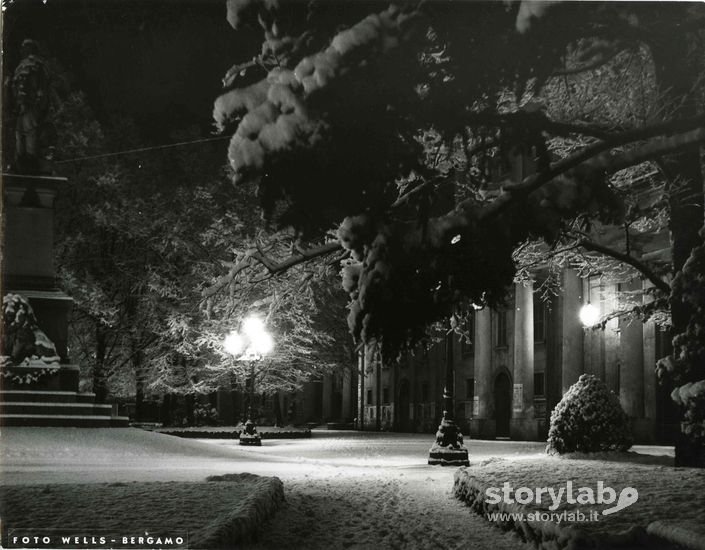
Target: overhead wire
[{"x": 143, "y": 149}]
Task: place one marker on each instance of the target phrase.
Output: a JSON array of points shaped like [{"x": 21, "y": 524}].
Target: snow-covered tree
[
  {"x": 138, "y": 236},
  {"x": 391, "y": 123}
]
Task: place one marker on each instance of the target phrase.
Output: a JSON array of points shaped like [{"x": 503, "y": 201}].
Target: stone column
[
  {"x": 650, "y": 382},
  {"x": 484, "y": 377},
  {"x": 361, "y": 425},
  {"x": 346, "y": 406},
  {"x": 649, "y": 336},
  {"x": 594, "y": 340},
  {"x": 611, "y": 337},
  {"x": 631, "y": 387},
  {"x": 523, "y": 426},
  {"x": 571, "y": 328}
]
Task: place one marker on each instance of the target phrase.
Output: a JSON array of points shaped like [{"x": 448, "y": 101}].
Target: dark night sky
[{"x": 158, "y": 61}]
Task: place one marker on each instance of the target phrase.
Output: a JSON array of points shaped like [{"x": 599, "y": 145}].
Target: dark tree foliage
[
  {"x": 397, "y": 119},
  {"x": 330, "y": 122}
]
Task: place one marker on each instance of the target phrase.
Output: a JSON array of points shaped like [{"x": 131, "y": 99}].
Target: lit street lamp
[
  {"x": 589, "y": 315},
  {"x": 251, "y": 345}
]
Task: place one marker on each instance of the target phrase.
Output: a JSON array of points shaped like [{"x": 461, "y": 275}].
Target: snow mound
[
  {"x": 243, "y": 523},
  {"x": 667, "y": 512},
  {"x": 221, "y": 513},
  {"x": 621, "y": 456}
]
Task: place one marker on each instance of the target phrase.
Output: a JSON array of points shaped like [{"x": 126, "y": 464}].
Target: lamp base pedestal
[
  {"x": 255, "y": 440},
  {"x": 448, "y": 456},
  {"x": 448, "y": 450},
  {"x": 249, "y": 435}
]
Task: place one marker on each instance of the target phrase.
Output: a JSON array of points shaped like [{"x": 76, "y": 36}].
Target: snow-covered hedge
[
  {"x": 243, "y": 523},
  {"x": 542, "y": 535},
  {"x": 471, "y": 485},
  {"x": 224, "y": 432},
  {"x": 588, "y": 419}
]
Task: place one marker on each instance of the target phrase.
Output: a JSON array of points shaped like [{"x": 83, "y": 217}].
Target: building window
[
  {"x": 539, "y": 384},
  {"x": 378, "y": 364},
  {"x": 502, "y": 329},
  {"x": 385, "y": 395},
  {"x": 424, "y": 392},
  {"x": 369, "y": 397},
  {"x": 663, "y": 342},
  {"x": 466, "y": 340},
  {"x": 540, "y": 319},
  {"x": 469, "y": 388},
  {"x": 501, "y": 168}
]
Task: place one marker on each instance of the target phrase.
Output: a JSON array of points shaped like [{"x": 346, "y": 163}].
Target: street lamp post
[
  {"x": 251, "y": 391},
  {"x": 251, "y": 345},
  {"x": 448, "y": 450}
]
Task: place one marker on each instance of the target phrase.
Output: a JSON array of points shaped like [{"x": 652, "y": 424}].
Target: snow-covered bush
[
  {"x": 589, "y": 419},
  {"x": 205, "y": 415}
]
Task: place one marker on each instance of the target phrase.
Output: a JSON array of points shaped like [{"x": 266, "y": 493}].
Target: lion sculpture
[{"x": 22, "y": 339}]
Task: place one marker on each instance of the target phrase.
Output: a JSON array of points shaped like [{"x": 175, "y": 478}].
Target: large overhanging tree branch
[
  {"x": 666, "y": 138},
  {"x": 225, "y": 280},
  {"x": 590, "y": 172},
  {"x": 596, "y": 159},
  {"x": 247, "y": 267},
  {"x": 637, "y": 264},
  {"x": 299, "y": 128},
  {"x": 301, "y": 256}
]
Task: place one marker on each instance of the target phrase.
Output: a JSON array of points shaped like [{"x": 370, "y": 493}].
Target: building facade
[{"x": 518, "y": 363}]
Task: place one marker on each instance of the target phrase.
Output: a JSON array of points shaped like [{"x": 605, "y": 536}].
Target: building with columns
[
  {"x": 520, "y": 361},
  {"x": 517, "y": 362}
]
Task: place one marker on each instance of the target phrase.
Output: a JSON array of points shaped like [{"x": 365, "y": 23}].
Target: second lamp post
[{"x": 251, "y": 344}]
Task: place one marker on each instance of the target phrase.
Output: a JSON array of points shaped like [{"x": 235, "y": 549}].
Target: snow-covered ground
[
  {"x": 147, "y": 509},
  {"x": 617, "y": 497},
  {"x": 343, "y": 489}
]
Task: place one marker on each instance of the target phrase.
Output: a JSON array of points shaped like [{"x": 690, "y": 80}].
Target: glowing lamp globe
[
  {"x": 233, "y": 343},
  {"x": 589, "y": 315},
  {"x": 253, "y": 327},
  {"x": 262, "y": 343}
]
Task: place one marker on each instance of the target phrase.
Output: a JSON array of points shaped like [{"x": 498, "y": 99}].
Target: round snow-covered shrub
[{"x": 589, "y": 419}]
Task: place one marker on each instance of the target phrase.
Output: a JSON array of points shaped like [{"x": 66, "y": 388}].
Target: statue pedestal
[
  {"x": 41, "y": 391},
  {"x": 28, "y": 252},
  {"x": 29, "y": 224},
  {"x": 40, "y": 377}
]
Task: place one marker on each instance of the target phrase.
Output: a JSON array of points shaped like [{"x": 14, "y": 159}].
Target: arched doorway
[{"x": 502, "y": 404}]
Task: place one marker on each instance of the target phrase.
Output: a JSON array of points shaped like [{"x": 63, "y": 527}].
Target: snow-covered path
[
  {"x": 375, "y": 491},
  {"x": 378, "y": 510},
  {"x": 343, "y": 490}
]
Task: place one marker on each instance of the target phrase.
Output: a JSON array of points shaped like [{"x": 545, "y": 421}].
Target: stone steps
[
  {"x": 56, "y": 408},
  {"x": 56, "y": 420},
  {"x": 11, "y": 396},
  {"x": 65, "y": 409}
]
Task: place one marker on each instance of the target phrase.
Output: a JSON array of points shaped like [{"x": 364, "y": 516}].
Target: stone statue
[
  {"x": 22, "y": 340},
  {"x": 30, "y": 87}
]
